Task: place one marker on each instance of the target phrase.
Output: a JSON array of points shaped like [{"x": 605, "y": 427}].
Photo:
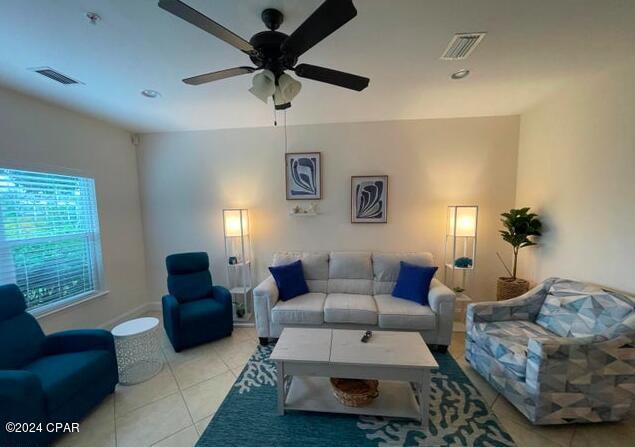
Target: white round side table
[{"x": 138, "y": 349}]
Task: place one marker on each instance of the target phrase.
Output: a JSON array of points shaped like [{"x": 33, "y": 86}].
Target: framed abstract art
[
  {"x": 369, "y": 199},
  {"x": 303, "y": 173}
]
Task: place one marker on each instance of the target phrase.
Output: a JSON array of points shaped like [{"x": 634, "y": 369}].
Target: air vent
[
  {"x": 55, "y": 75},
  {"x": 461, "y": 46}
]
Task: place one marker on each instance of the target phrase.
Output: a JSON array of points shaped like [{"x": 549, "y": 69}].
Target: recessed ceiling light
[
  {"x": 150, "y": 93},
  {"x": 460, "y": 74}
]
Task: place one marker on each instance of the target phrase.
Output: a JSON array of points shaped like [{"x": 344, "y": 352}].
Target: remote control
[{"x": 367, "y": 336}]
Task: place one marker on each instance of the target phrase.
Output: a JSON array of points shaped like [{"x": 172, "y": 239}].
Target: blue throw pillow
[
  {"x": 290, "y": 280},
  {"x": 413, "y": 283}
]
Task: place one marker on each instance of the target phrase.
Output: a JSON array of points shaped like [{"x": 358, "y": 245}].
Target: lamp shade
[
  {"x": 462, "y": 221},
  {"x": 236, "y": 222},
  {"x": 263, "y": 85},
  {"x": 288, "y": 88}
]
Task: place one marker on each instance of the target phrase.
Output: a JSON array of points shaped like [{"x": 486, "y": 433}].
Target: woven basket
[
  {"x": 507, "y": 288},
  {"x": 354, "y": 392}
]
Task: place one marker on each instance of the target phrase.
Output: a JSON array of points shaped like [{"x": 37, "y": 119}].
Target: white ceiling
[{"x": 532, "y": 47}]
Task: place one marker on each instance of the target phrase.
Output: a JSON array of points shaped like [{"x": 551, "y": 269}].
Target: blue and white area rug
[{"x": 247, "y": 418}]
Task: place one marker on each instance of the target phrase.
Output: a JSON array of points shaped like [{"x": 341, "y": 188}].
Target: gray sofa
[
  {"x": 353, "y": 290},
  {"x": 563, "y": 352}
]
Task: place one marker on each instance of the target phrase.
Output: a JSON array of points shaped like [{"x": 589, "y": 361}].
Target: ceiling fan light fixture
[
  {"x": 288, "y": 87},
  {"x": 263, "y": 85}
]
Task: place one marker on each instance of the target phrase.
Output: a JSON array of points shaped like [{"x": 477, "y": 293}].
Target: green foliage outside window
[{"x": 46, "y": 222}]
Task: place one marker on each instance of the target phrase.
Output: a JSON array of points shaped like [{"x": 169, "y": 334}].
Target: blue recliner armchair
[
  {"x": 195, "y": 311},
  {"x": 48, "y": 379}
]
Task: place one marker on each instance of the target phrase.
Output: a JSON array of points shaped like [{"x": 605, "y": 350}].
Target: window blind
[{"x": 49, "y": 236}]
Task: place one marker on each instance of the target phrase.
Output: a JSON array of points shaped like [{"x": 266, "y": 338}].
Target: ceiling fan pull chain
[{"x": 285, "y": 131}]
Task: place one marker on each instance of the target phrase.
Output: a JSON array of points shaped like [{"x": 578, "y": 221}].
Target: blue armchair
[
  {"x": 195, "y": 311},
  {"x": 48, "y": 379}
]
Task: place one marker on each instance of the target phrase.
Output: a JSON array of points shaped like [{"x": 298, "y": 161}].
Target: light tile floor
[{"x": 174, "y": 407}]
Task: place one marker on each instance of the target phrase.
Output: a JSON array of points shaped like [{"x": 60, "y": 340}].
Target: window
[{"x": 49, "y": 237}]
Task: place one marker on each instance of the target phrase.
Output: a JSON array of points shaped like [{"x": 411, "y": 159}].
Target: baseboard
[
  {"x": 132, "y": 313},
  {"x": 154, "y": 306}
]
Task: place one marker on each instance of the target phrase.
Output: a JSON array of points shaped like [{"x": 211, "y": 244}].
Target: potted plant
[
  {"x": 520, "y": 225},
  {"x": 239, "y": 309}
]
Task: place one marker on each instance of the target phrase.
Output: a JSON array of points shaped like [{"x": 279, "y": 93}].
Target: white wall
[
  {"x": 34, "y": 134},
  {"x": 576, "y": 167},
  {"x": 187, "y": 178}
]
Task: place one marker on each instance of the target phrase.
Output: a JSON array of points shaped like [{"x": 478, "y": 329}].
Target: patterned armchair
[{"x": 563, "y": 352}]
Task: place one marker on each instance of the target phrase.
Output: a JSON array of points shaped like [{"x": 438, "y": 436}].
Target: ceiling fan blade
[
  {"x": 329, "y": 17},
  {"x": 191, "y": 15},
  {"x": 217, "y": 75},
  {"x": 330, "y": 76}
]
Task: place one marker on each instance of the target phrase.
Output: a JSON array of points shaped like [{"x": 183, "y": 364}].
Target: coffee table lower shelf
[{"x": 396, "y": 399}]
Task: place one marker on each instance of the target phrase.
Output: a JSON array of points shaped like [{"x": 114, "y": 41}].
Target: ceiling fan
[{"x": 275, "y": 52}]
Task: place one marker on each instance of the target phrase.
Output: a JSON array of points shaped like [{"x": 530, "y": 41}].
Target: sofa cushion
[
  {"x": 413, "y": 283},
  {"x": 314, "y": 264},
  {"x": 290, "y": 280},
  {"x": 506, "y": 341},
  {"x": 576, "y": 309},
  {"x": 386, "y": 265},
  {"x": 201, "y": 312},
  {"x": 386, "y": 268},
  {"x": 350, "y": 308},
  {"x": 191, "y": 286},
  {"x": 23, "y": 341},
  {"x": 350, "y": 265},
  {"x": 397, "y": 313},
  {"x": 303, "y": 309},
  {"x": 359, "y": 286},
  {"x": 64, "y": 376},
  {"x": 185, "y": 263}
]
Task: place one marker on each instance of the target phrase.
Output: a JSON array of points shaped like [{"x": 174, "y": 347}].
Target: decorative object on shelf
[
  {"x": 303, "y": 175},
  {"x": 239, "y": 309},
  {"x": 460, "y": 245},
  {"x": 239, "y": 253},
  {"x": 463, "y": 262},
  {"x": 354, "y": 392},
  {"x": 311, "y": 210},
  {"x": 369, "y": 199},
  {"x": 520, "y": 225}
]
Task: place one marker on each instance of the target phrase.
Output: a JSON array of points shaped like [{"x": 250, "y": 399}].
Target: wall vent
[
  {"x": 55, "y": 75},
  {"x": 461, "y": 46}
]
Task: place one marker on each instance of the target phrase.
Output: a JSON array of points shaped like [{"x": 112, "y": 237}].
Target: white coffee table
[
  {"x": 138, "y": 348},
  {"x": 401, "y": 361}
]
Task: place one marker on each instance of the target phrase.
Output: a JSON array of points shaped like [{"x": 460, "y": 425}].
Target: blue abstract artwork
[
  {"x": 303, "y": 176},
  {"x": 369, "y": 196}
]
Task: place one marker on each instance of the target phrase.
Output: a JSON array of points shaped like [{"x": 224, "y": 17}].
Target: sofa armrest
[
  {"x": 21, "y": 397},
  {"x": 171, "y": 315},
  {"x": 79, "y": 340},
  {"x": 265, "y": 297},
  {"x": 224, "y": 296},
  {"x": 554, "y": 362},
  {"x": 524, "y": 307},
  {"x": 442, "y": 299},
  {"x": 21, "y": 400}
]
